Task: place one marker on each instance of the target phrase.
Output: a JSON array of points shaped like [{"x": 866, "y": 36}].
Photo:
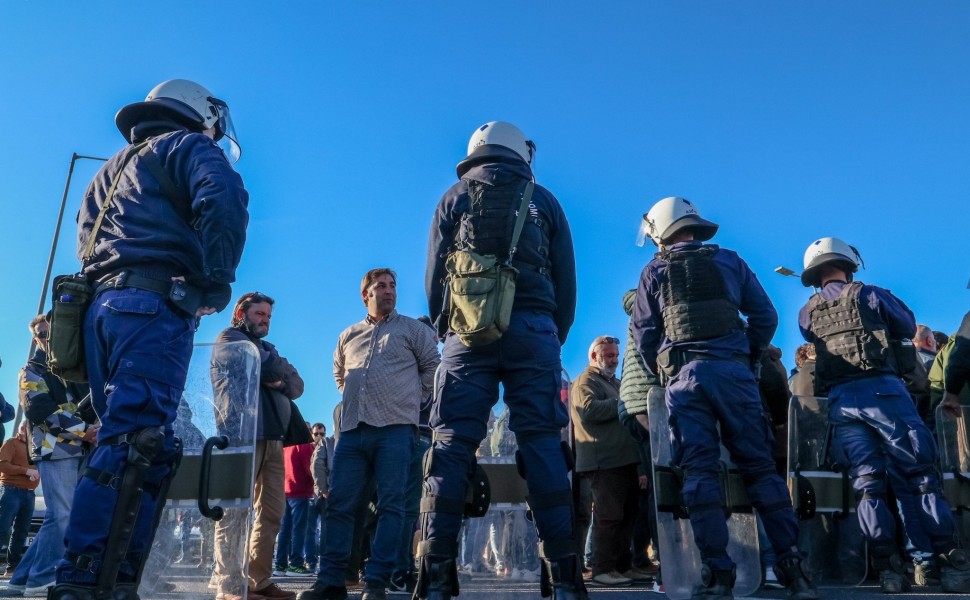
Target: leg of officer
[
  {"x": 466, "y": 388},
  {"x": 747, "y": 433},
  {"x": 139, "y": 351},
  {"x": 532, "y": 377},
  {"x": 696, "y": 449},
  {"x": 861, "y": 445},
  {"x": 908, "y": 445}
]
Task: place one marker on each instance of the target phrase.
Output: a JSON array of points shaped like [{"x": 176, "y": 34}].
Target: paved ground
[
  {"x": 495, "y": 589},
  {"x": 192, "y": 586}
]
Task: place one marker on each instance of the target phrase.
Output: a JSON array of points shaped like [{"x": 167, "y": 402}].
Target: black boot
[
  {"x": 437, "y": 579},
  {"x": 69, "y": 591},
  {"x": 715, "y": 585},
  {"x": 562, "y": 578},
  {"x": 791, "y": 574},
  {"x": 892, "y": 573},
  {"x": 954, "y": 571}
]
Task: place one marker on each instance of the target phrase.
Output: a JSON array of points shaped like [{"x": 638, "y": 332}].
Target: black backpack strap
[{"x": 520, "y": 219}]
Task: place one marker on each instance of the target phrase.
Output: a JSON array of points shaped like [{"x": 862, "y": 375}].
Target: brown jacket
[
  {"x": 14, "y": 465},
  {"x": 602, "y": 442}
]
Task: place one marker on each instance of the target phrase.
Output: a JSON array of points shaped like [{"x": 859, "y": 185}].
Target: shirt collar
[{"x": 370, "y": 321}]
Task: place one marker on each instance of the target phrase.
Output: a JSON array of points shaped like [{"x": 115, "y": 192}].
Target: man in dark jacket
[
  {"x": 525, "y": 360},
  {"x": 160, "y": 232},
  {"x": 279, "y": 385}
]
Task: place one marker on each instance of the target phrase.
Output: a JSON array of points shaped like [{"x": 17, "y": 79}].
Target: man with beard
[
  {"x": 606, "y": 453},
  {"x": 279, "y": 385}
]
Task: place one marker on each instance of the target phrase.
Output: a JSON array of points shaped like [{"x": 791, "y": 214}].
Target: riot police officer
[
  {"x": 160, "y": 232},
  {"x": 687, "y": 327},
  {"x": 525, "y": 359},
  {"x": 862, "y": 344}
]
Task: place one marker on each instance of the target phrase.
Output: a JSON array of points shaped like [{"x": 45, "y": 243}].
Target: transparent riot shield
[
  {"x": 680, "y": 561},
  {"x": 200, "y": 545},
  {"x": 498, "y": 549},
  {"x": 954, "y": 445},
  {"x": 822, "y": 494}
]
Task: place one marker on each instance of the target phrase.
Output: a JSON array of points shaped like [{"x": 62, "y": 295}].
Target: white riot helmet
[
  {"x": 829, "y": 250},
  {"x": 188, "y": 103},
  {"x": 671, "y": 215},
  {"x": 500, "y": 133}
]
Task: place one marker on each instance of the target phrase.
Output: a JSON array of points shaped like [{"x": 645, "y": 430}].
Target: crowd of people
[{"x": 385, "y": 503}]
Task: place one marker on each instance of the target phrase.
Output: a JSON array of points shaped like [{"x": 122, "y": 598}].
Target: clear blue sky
[{"x": 782, "y": 121}]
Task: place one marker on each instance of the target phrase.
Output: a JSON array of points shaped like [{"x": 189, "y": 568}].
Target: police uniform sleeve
[
  {"x": 219, "y": 205},
  {"x": 647, "y": 322},
  {"x": 563, "y": 260},
  {"x": 439, "y": 243},
  {"x": 757, "y": 307},
  {"x": 898, "y": 317}
]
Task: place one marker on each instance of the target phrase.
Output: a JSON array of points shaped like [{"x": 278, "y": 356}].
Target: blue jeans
[
  {"x": 292, "y": 535},
  {"x": 311, "y": 550},
  {"x": 16, "y": 509},
  {"x": 138, "y": 350},
  {"x": 37, "y": 566},
  {"x": 525, "y": 361},
  {"x": 381, "y": 454}
]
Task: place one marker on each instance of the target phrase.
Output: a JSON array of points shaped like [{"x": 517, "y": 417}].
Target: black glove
[{"x": 217, "y": 296}]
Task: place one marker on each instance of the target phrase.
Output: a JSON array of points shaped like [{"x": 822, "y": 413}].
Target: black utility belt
[
  {"x": 184, "y": 296},
  {"x": 131, "y": 280}
]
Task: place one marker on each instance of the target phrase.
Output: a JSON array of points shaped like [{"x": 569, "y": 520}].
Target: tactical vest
[
  {"x": 849, "y": 343},
  {"x": 486, "y": 229},
  {"x": 696, "y": 303}
]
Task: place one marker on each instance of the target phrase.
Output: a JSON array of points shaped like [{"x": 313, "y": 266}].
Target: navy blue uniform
[
  {"x": 716, "y": 386},
  {"x": 138, "y": 344},
  {"x": 879, "y": 433},
  {"x": 525, "y": 360}
]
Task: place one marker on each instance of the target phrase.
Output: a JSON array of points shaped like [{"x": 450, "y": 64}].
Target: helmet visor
[
  {"x": 644, "y": 234},
  {"x": 226, "y": 131}
]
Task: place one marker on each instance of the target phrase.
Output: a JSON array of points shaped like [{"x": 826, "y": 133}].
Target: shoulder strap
[
  {"x": 89, "y": 248},
  {"x": 154, "y": 165},
  {"x": 520, "y": 219},
  {"x": 169, "y": 188}
]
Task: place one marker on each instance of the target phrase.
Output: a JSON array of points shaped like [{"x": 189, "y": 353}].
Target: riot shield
[
  {"x": 954, "y": 445},
  {"x": 823, "y": 498},
  {"x": 200, "y": 545},
  {"x": 502, "y": 542},
  {"x": 680, "y": 561}
]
